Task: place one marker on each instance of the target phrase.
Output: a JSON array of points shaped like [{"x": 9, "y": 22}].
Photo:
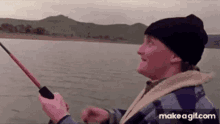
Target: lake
[{"x": 84, "y": 73}]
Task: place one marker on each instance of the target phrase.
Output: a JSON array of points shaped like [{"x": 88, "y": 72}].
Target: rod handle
[{"x": 45, "y": 92}]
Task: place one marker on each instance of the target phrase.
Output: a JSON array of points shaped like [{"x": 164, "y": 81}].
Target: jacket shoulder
[{"x": 186, "y": 98}]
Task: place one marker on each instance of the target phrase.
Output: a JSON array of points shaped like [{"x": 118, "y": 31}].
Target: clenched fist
[{"x": 94, "y": 114}]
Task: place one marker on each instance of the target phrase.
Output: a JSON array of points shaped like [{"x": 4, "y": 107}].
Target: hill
[
  {"x": 213, "y": 41},
  {"x": 64, "y": 26}
]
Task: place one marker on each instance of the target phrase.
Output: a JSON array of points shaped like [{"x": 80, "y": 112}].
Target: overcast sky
[{"x": 115, "y": 11}]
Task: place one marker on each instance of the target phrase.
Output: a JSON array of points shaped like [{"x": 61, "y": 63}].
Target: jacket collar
[{"x": 180, "y": 80}]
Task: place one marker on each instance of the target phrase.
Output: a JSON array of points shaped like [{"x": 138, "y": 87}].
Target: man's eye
[{"x": 149, "y": 42}]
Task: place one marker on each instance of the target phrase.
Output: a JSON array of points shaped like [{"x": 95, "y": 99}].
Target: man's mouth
[{"x": 143, "y": 59}]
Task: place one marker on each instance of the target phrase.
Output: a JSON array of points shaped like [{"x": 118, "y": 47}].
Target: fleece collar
[{"x": 180, "y": 80}]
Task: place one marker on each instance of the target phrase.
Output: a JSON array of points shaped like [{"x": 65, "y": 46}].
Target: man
[{"x": 172, "y": 47}]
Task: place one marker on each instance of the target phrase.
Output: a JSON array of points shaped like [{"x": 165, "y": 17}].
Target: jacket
[{"x": 180, "y": 95}]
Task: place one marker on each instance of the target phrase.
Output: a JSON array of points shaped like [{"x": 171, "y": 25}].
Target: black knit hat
[{"x": 185, "y": 36}]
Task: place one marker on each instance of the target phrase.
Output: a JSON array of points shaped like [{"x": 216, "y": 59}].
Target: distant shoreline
[
  {"x": 53, "y": 38},
  {"x": 63, "y": 38}
]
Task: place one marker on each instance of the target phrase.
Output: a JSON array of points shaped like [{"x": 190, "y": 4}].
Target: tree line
[
  {"x": 28, "y": 29},
  {"x": 88, "y": 36},
  {"x": 23, "y": 29}
]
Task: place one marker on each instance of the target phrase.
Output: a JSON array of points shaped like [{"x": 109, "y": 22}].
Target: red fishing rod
[{"x": 44, "y": 91}]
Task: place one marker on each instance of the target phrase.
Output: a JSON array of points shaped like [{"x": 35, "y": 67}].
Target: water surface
[{"x": 84, "y": 73}]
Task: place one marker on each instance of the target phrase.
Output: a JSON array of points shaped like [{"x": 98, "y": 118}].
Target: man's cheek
[{"x": 150, "y": 51}]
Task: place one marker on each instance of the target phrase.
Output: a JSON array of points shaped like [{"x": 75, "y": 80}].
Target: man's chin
[
  {"x": 140, "y": 71},
  {"x": 143, "y": 72}
]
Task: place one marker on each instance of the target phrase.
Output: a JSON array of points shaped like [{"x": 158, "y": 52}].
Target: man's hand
[
  {"x": 55, "y": 108},
  {"x": 94, "y": 114}
]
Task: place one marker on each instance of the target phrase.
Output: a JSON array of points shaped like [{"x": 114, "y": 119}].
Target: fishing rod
[{"x": 44, "y": 91}]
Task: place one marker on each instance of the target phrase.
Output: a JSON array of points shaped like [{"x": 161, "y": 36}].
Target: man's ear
[{"x": 175, "y": 59}]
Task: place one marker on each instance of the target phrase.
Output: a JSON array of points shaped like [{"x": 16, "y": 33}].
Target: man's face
[{"x": 155, "y": 57}]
